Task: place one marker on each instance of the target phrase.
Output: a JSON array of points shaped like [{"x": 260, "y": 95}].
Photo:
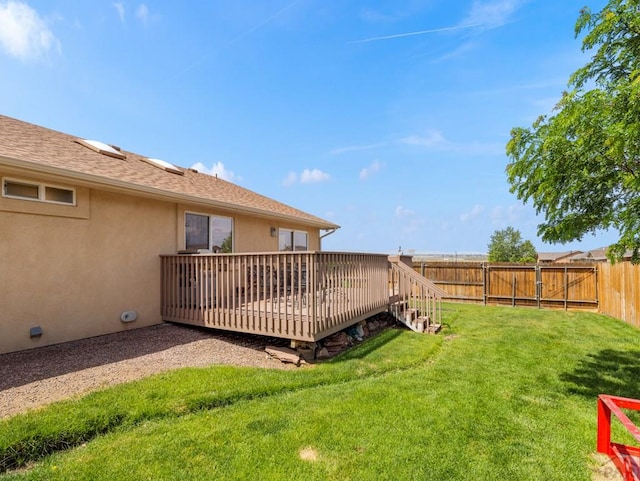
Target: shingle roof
[
  {"x": 599, "y": 254},
  {"x": 42, "y": 149},
  {"x": 555, "y": 256}
]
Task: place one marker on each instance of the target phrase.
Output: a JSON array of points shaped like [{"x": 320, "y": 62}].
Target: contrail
[{"x": 411, "y": 34}]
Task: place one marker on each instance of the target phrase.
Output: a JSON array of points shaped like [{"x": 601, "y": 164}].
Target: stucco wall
[
  {"x": 73, "y": 270},
  {"x": 74, "y": 277}
]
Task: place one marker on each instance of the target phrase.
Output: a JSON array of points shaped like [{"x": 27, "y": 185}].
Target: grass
[{"x": 507, "y": 394}]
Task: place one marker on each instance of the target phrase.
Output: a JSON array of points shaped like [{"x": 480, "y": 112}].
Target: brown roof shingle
[{"x": 39, "y": 148}]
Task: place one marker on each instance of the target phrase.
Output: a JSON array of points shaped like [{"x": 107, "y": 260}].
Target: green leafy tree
[
  {"x": 507, "y": 246},
  {"x": 227, "y": 244},
  {"x": 581, "y": 166}
]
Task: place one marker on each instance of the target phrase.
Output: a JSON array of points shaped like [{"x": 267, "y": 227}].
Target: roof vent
[
  {"x": 102, "y": 148},
  {"x": 164, "y": 165}
]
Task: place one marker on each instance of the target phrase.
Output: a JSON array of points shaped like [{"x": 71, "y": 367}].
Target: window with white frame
[
  {"x": 37, "y": 191},
  {"x": 293, "y": 240},
  {"x": 208, "y": 232}
]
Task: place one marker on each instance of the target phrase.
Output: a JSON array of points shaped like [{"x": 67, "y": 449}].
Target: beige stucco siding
[{"x": 74, "y": 276}]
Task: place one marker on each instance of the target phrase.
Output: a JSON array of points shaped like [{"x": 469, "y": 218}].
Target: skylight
[
  {"x": 164, "y": 165},
  {"x": 101, "y": 148}
]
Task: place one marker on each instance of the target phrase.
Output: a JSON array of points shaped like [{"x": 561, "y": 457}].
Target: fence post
[
  {"x": 538, "y": 284},
  {"x": 566, "y": 288}
]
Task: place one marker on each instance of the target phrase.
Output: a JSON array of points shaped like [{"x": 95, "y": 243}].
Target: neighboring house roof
[
  {"x": 598, "y": 255},
  {"x": 595, "y": 255},
  {"x": 38, "y": 149},
  {"x": 556, "y": 256}
]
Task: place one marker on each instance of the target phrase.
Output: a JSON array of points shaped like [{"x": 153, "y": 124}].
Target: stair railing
[{"x": 409, "y": 289}]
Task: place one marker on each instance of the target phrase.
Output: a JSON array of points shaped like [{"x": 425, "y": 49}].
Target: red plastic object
[{"x": 626, "y": 458}]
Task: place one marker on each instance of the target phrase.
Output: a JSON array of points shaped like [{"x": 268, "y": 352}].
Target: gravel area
[{"x": 34, "y": 378}]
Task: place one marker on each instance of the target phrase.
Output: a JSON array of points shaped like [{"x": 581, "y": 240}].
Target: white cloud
[
  {"x": 313, "y": 176},
  {"x": 23, "y": 33},
  {"x": 370, "y": 170},
  {"x": 475, "y": 212},
  {"x": 402, "y": 212},
  {"x": 217, "y": 170},
  {"x": 432, "y": 139},
  {"x": 307, "y": 176},
  {"x": 492, "y": 14},
  {"x": 119, "y": 6},
  {"x": 356, "y": 148},
  {"x": 142, "y": 13}
]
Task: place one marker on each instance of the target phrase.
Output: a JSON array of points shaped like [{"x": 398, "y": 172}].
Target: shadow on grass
[
  {"x": 370, "y": 345},
  {"x": 609, "y": 371}
]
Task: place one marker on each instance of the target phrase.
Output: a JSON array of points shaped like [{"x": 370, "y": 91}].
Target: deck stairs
[{"x": 414, "y": 300}]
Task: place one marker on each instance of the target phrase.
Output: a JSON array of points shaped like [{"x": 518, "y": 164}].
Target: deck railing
[
  {"x": 295, "y": 295},
  {"x": 407, "y": 286}
]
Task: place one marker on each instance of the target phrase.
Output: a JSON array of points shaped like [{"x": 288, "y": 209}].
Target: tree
[
  {"x": 227, "y": 244},
  {"x": 507, "y": 246},
  {"x": 581, "y": 166}
]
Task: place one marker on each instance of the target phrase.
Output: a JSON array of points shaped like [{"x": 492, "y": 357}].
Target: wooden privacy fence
[
  {"x": 558, "y": 285},
  {"x": 619, "y": 291}
]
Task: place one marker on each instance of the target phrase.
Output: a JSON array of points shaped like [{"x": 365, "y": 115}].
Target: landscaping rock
[
  {"x": 284, "y": 354},
  {"x": 323, "y": 353}
]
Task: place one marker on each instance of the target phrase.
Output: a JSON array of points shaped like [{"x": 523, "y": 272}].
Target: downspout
[{"x": 330, "y": 231}]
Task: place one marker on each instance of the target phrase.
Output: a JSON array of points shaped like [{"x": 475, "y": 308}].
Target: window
[
  {"x": 18, "y": 189},
  {"x": 210, "y": 232},
  {"x": 56, "y": 194},
  {"x": 293, "y": 240}
]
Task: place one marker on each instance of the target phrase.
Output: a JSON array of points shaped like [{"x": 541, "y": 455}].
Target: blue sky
[{"x": 387, "y": 118}]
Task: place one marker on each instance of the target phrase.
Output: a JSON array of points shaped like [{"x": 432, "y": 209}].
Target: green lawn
[{"x": 501, "y": 393}]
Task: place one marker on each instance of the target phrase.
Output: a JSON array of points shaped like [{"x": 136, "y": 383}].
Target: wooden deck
[{"x": 295, "y": 295}]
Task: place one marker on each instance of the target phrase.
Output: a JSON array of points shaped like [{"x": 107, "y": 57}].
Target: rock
[
  {"x": 323, "y": 353},
  {"x": 307, "y": 353},
  {"x": 284, "y": 354}
]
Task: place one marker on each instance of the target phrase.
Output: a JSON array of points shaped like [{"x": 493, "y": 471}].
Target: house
[
  {"x": 598, "y": 255},
  {"x": 595, "y": 255},
  {"x": 95, "y": 239},
  {"x": 556, "y": 257},
  {"x": 82, "y": 224}
]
